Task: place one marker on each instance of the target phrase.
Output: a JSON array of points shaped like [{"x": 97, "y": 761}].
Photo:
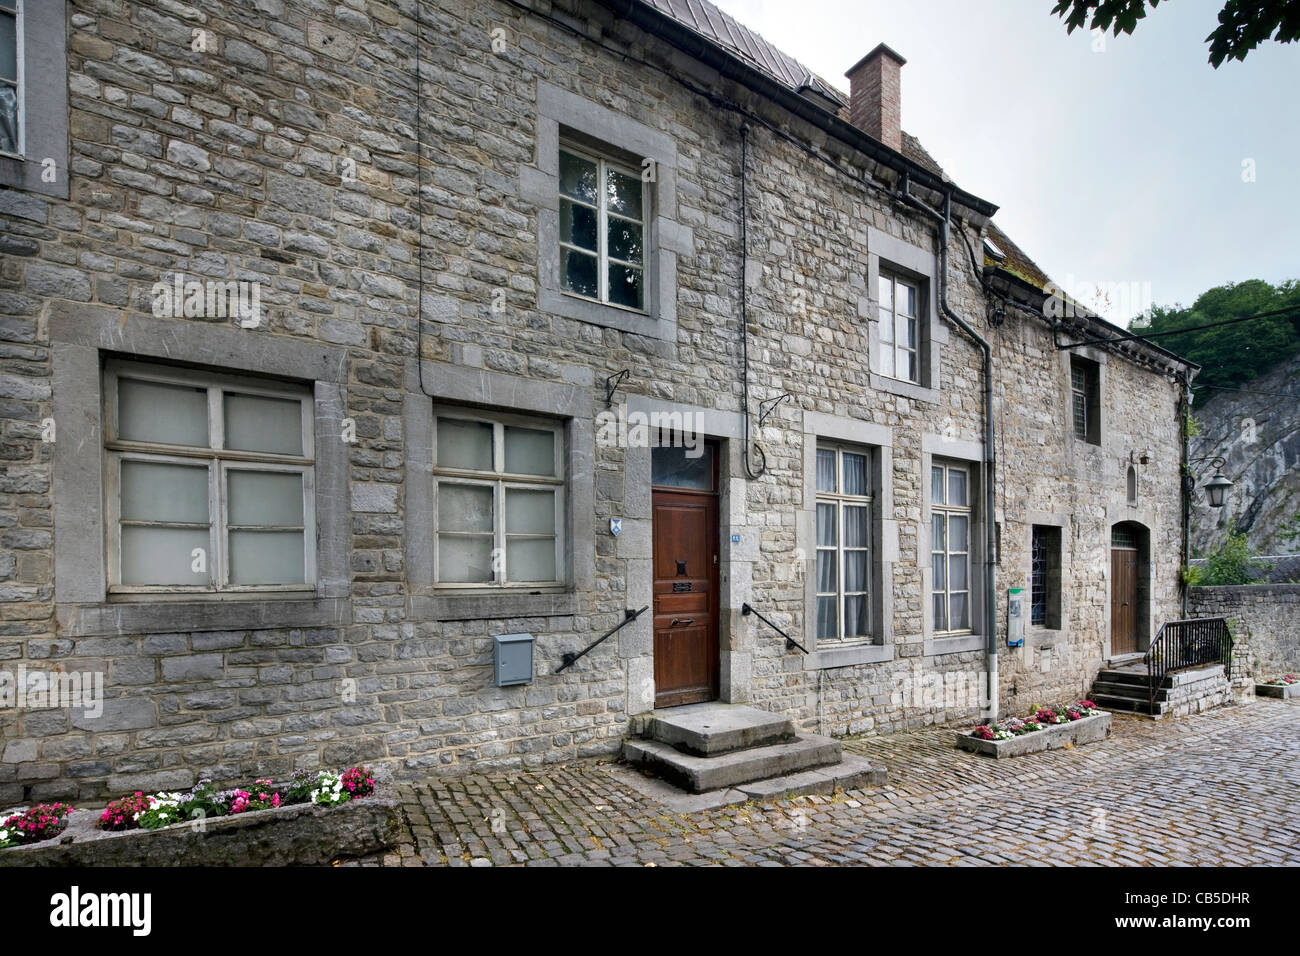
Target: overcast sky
[{"x": 1119, "y": 166}]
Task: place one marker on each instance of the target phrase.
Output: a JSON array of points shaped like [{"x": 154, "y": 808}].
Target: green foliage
[
  {"x": 1231, "y": 355},
  {"x": 1289, "y": 530},
  {"x": 1243, "y": 24},
  {"x": 1192, "y": 425},
  {"x": 1229, "y": 563}
]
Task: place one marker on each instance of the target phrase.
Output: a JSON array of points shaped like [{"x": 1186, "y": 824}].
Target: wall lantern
[{"x": 1217, "y": 487}]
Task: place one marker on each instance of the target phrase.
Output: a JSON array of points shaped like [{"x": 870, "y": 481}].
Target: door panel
[
  {"x": 1123, "y": 601},
  {"x": 685, "y": 597}
]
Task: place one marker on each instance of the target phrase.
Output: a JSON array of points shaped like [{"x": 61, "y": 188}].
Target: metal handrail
[
  {"x": 1178, "y": 644},
  {"x": 571, "y": 658},
  {"x": 790, "y": 642}
]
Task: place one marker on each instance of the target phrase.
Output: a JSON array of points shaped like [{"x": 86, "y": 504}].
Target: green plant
[
  {"x": 1192, "y": 425},
  {"x": 1231, "y": 563}
]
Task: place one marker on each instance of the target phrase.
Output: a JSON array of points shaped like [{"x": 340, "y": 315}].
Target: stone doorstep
[
  {"x": 1085, "y": 731},
  {"x": 736, "y": 768},
  {"x": 1279, "y": 691},
  {"x": 853, "y": 772},
  {"x": 298, "y": 835},
  {"x": 714, "y": 728}
]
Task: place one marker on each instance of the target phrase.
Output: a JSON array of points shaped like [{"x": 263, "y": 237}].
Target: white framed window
[
  {"x": 602, "y": 230},
  {"x": 210, "y": 482},
  {"x": 11, "y": 72},
  {"x": 950, "y": 537},
  {"x": 844, "y": 502},
  {"x": 499, "y": 490},
  {"x": 899, "y": 308}
]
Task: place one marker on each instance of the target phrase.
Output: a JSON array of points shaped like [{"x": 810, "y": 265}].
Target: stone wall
[
  {"x": 285, "y": 153},
  {"x": 1265, "y": 620}
]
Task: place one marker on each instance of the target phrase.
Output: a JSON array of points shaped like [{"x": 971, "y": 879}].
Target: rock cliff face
[{"x": 1258, "y": 433}]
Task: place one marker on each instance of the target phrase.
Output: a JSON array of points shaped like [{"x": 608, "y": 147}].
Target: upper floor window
[
  {"x": 210, "y": 482},
  {"x": 602, "y": 230},
  {"x": 843, "y": 543},
  {"x": 900, "y": 306},
  {"x": 10, "y": 78},
  {"x": 499, "y": 485},
  {"x": 950, "y": 529},
  {"x": 1085, "y": 399}
]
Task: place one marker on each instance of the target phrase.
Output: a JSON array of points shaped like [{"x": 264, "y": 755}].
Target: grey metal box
[{"x": 513, "y": 659}]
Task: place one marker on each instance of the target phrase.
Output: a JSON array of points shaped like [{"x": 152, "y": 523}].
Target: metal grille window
[
  {"x": 900, "y": 303},
  {"x": 210, "y": 482},
  {"x": 950, "y": 526},
  {"x": 1085, "y": 400},
  {"x": 499, "y": 488},
  {"x": 843, "y": 543},
  {"x": 1045, "y": 577},
  {"x": 602, "y": 230},
  {"x": 11, "y": 139}
]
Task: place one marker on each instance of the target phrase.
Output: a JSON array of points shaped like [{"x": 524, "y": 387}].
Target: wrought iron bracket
[
  {"x": 765, "y": 409},
  {"x": 790, "y": 642},
  {"x": 612, "y": 383}
]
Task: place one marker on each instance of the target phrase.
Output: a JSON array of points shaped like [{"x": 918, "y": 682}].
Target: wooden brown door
[
  {"x": 685, "y": 596},
  {"x": 1123, "y": 600}
]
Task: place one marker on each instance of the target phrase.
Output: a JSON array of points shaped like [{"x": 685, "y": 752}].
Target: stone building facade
[{"x": 291, "y": 350}]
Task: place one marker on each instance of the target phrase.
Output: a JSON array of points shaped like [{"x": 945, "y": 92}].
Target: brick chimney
[{"x": 875, "y": 94}]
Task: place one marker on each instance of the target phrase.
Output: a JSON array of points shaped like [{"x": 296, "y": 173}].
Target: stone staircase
[
  {"x": 1122, "y": 687},
  {"x": 715, "y": 746}
]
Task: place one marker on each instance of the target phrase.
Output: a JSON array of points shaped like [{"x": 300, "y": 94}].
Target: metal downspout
[{"x": 990, "y": 500}]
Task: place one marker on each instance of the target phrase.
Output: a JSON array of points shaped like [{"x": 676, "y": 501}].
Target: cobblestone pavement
[{"x": 1216, "y": 788}]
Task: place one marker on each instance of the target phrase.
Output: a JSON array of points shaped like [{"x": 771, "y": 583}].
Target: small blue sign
[
  {"x": 616, "y": 526},
  {"x": 735, "y": 539}
]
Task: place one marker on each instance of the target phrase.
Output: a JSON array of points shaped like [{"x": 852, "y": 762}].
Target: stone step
[
  {"x": 1111, "y": 689},
  {"x": 1178, "y": 678},
  {"x": 1130, "y": 705},
  {"x": 706, "y": 730},
  {"x": 735, "y": 768}
]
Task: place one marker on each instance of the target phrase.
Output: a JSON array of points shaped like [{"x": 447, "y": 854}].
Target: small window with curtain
[
  {"x": 11, "y": 118},
  {"x": 844, "y": 500},
  {"x": 210, "y": 482},
  {"x": 499, "y": 509},
  {"x": 602, "y": 230},
  {"x": 950, "y": 537}
]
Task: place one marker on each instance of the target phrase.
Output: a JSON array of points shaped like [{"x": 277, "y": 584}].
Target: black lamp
[{"x": 1216, "y": 488}]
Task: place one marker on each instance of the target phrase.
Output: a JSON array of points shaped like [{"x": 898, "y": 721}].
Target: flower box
[
  {"x": 1085, "y": 730},
  {"x": 256, "y": 829},
  {"x": 1282, "y": 691}
]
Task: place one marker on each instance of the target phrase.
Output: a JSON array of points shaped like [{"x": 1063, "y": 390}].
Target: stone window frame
[
  {"x": 879, "y": 440},
  {"x": 1040, "y": 636},
  {"x": 1095, "y": 375},
  {"x": 903, "y": 259},
  {"x": 970, "y": 453},
  {"x": 504, "y": 393},
  {"x": 565, "y": 116},
  {"x": 82, "y": 338},
  {"x": 43, "y": 111}
]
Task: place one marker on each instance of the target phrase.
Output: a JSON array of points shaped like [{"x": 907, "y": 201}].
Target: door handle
[{"x": 685, "y": 620}]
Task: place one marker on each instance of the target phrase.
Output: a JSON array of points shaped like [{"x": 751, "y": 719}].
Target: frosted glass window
[
  {"x": 161, "y": 413},
  {"x": 529, "y": 451},
  {"x": 499, "y": 493},
  {"x": 843, "y": 565},
  {"x": 190, "y": 514},
  {"x": 464, "y": 444},
  {"x": 256, "y": 423}
]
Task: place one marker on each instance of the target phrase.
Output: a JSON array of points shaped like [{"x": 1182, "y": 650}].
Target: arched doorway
[{"x": 1130, "y": 588}]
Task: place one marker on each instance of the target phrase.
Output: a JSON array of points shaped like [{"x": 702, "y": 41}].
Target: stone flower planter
[
  {"x": 1085, "y": 731},
  {"x": 1280, "y": 691},
  {"x": 299, "y": 835}
]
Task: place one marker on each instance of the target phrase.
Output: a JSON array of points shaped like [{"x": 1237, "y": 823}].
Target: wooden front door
[
  {"x": 1123, "y": 600},
  {"x": 685, "y": 595}
]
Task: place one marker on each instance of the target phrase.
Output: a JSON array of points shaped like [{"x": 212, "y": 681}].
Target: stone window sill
[
  {"x": 165, "y": 617},
  {"x": 848, "y": 656},
  {"x": 483, "y": 607},
  {"x": 896, "y": 386},
  {"x": 954, "y": 645},
  {"x": 602, "y": 314}
]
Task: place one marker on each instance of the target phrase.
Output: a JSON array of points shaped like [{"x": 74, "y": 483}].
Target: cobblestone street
[{"x": 1215, "y": 789}]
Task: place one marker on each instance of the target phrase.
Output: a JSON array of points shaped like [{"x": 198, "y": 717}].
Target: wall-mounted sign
[{"x": 616, "y": 526}]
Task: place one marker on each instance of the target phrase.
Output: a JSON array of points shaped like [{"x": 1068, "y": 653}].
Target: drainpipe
[
  {"x": 990, "y": 589},
  {"x": 1184, "y": 479}
]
